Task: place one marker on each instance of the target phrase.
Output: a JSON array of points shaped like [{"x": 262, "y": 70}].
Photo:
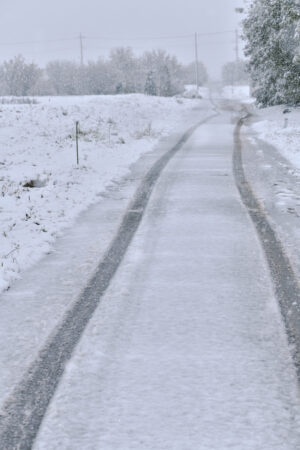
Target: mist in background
[{"x": 48, "y": 30}]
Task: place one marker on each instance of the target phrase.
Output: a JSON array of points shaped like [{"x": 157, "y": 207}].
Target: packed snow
[
  {"x": 185, "y": 351},
  {"x": 42, "y": 188}
]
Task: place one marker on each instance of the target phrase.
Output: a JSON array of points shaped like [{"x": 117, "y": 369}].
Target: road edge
[
  {"x": 287, "y": 289},
  {"x": 22, "y": 414}
]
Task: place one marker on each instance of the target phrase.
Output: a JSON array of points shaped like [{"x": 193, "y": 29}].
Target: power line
[
  {"x": 146, "y": 38},
  {"x": 36, "y": 42},
  {"x": 237, "y": 44},
  {"x": 213, "y": 33},
  {"x": 111, "y": 38}
]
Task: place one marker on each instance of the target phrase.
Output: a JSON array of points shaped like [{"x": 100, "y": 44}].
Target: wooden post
[{"x": 77, "y": 150}]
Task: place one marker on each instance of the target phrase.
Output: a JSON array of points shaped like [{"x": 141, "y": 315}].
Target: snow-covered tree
[
  {"x": 19, "y": 78},
  {"x": 150, "y": 86},
  {"x": 166, "y": 72},
  {"x": 154, "y": 73},
  {"x": 269, "y": 31},
  {"x": 123, "y": 70},
  {"x": 98, "y": 78},
  {"x": 63, "y": 76}
]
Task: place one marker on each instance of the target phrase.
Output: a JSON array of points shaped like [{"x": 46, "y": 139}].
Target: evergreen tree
[
  {"x": 269, "y": 31},
  {"x": 164, "y": 84},
  {"x": 150, "y": 86}
]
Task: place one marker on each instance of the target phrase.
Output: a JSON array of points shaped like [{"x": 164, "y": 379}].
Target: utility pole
[
  {"x": 237, "y": 45},
  {"x": 196, "y": 62},
  {"x": 81, "y": 49}
]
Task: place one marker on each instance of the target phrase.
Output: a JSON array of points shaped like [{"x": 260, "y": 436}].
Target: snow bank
[
  {"x": 42, "y": 188},
  {"x": 281, "y": 130},
  {"x": 190, "y": 91},
  {"x": 237, "y": 93}
]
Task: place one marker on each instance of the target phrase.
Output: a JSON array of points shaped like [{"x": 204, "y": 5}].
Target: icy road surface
[{"x": 187, "y": 349}]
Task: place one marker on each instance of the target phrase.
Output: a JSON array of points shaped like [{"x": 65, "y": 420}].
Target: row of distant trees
[
  {"x": 235, "y": 73},
  {"x": 153, "y": 73}
]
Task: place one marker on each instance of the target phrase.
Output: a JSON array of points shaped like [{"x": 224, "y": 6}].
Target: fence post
[{"x": 77, "y": 150}]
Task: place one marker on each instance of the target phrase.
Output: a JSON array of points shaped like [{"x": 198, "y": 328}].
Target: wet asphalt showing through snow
[{"x": 23, "y": 413}]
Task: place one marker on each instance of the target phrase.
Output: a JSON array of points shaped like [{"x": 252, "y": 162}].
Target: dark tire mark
[
  {"x": 287, "y": 289},
  {"x": 23, "y": 413}
]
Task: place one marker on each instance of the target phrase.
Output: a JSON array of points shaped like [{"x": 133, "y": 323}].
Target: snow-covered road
[{"x": 187, "y": 349}]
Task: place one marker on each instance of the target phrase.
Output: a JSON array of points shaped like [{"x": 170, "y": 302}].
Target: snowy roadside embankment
[
  {"x": 42, "y": 188},
  {"x": 271, "y": 158},
  {"x": 280, "y": 130}
]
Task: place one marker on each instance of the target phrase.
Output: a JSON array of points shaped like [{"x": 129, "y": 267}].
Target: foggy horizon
[{"x": 42, "y": 33}]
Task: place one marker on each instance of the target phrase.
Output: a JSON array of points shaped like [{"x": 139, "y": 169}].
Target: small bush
[{"x": 18, "y": 101}]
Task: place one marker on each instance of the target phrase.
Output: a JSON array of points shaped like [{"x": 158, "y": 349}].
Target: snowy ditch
[{"x": 43, "y": 190}]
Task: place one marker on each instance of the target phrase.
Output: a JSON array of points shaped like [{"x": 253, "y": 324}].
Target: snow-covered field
[
  {"x": 281, "y": 130},
  {"x": 42, "y": 188}
]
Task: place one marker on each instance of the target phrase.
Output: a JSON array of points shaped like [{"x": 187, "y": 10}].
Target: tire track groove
[
  {"x": 285, "y": 282},
  {"x": 23, "y": 412}
]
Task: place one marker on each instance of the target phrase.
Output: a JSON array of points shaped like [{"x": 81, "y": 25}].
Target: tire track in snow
[
  {"x": 285, "y": 282},
  {"x": 22, "y": 414}
]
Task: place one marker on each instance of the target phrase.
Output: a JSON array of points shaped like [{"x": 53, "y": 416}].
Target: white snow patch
[
  {"x": 191, "y": 91},
  {"x": 41, "y": 187},
  {"x": 281, "y": 130},
  {"x": 237, "y": 93}
]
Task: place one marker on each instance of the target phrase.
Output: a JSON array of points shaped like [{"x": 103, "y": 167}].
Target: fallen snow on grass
[
  {"x": 42, "y": 188},
  {"x": 281, "y": 130}
]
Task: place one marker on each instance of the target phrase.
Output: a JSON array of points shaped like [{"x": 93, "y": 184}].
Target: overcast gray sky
[{"x": 26, "y": 25}]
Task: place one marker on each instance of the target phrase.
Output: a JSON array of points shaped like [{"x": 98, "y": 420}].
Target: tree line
[
  {"x": 235, "y": 73},
  {"x": 271, "y": 32},
  {"x": 154, "y": 73}
]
